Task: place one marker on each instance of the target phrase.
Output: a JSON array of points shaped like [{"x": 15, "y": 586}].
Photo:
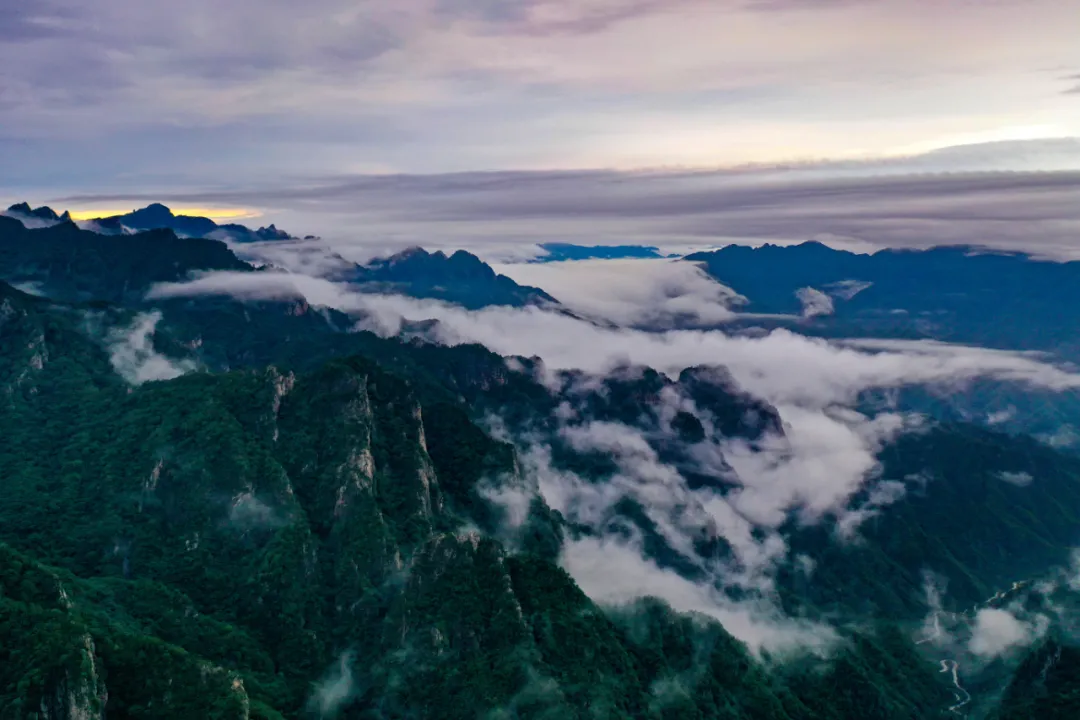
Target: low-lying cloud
[
  {"x": 1019, "y": 479},
  {"x": 336, "y": 688},
  {"x": 815, "y": 303},
  {"x": 647, "y": 293},
  {"x": 997, "y": 632},
  {"x": 825, "y": 457},
  {"x": 133, "y": 356},
  {"x": 612, "y": 573}
]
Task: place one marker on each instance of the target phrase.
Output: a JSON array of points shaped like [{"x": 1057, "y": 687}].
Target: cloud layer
[
  {"x": 912, "y": 203},
  {"x": 132, "y": 352},
  {"x": 635, "y": 293},
  {"x": 825, "y": 458}
]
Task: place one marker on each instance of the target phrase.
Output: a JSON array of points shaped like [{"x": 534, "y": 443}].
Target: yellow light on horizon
[
  {"x": 212, "y": 213},
  {"x": 1000, "y": 134}
]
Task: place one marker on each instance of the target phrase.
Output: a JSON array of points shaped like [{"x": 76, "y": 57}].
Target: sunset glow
[{"x": 212, "y": 213}]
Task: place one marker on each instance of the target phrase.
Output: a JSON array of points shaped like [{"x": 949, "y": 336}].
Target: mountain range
[
  {"x": 243, "y": 507},
  {"x": 156, "y": 217},
  {"x": 956, "y": 293}
]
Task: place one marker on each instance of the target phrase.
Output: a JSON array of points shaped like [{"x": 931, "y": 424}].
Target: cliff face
[
  {"x": 290, "y": 506},
  {"x": 62, "y": 657},
  {"x": 78, "y": 695}
]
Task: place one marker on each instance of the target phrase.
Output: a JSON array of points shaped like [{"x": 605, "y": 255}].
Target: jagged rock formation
[{"x": 43, "y": 214}]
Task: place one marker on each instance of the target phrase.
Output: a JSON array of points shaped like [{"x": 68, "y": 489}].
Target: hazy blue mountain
[
  {"x": 557, "y": 252},
  {"x": 157, "y": 216},
  {"x": 958, "y": 294},
  {"x": 460, "y": 278}
]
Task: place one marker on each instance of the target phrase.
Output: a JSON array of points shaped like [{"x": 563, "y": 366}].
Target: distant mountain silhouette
[
  {"x": 157, "y": 216},
  {"x": 73, "y": 264},
  {"x": 44, "y": 212},
  {"x": 460, "y": 278},
  {"x": 557, "y": 252},
  {"x": 955, "y": 293}
]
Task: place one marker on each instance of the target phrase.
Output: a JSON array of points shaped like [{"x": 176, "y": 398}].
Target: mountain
[
  {"x": 460, "y": 278},
  {"x": 558, "y": 252},
  {"x": 69, "y": 263},
  {"x": 956, "y": 294},
  {"x": 44, "y": 213},
  {"x": 1047, "y": 684},
  {"x": 157, "y": 216}
]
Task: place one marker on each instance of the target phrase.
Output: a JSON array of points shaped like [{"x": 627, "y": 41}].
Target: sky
[{"x": 371, "y": 119}]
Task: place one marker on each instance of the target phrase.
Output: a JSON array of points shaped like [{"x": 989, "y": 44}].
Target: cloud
[
  {"x": 132, "y": 353},
  {"x": 636, "y": 293},
  {"x": 335, "y": 689},
  {"x": 1064, "y": 437},
  {"x": 827, "y": 453},
  {"x": 996, "y": 632},
  {"x": 29, "y": 221},
  {"x": 815, "y": 303},
  {"x": 1019, "y": 479},
  {"x": 881, "y": 495},
  {"x": 824, "y": 458},
  {"x": 679, "y": 516},
  {"x": 265, "y": 285},
  {"x": 847, "y": 289},
  {"x": 247, "y": 512},
  {"x": 822, "y": 468},
  {"x": 616, "y": 574}
]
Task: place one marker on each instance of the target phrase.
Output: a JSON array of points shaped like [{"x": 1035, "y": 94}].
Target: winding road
[{"x": 963, "y": 697}]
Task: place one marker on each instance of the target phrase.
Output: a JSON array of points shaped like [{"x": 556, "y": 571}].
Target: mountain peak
[
  {"x": 41, "y": 213},
  {"x": 156, "y": 216},
  {"x": 461, "y": 278},
  {"x": 407, "y": 253},
  {"x": 154, "y": 213}
]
